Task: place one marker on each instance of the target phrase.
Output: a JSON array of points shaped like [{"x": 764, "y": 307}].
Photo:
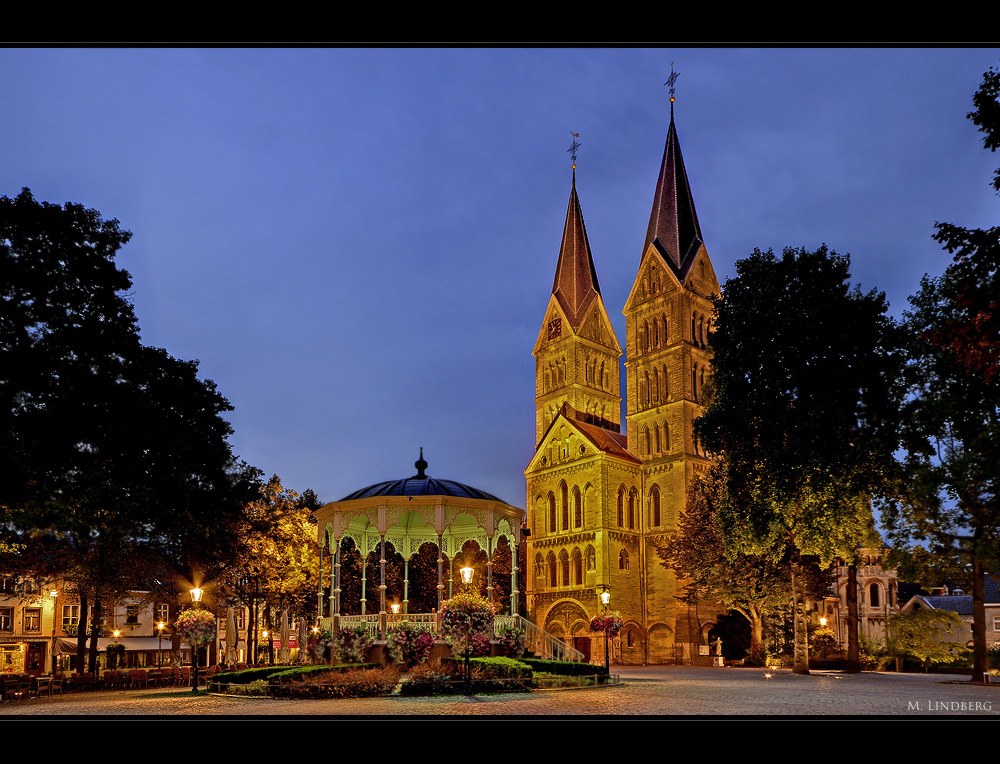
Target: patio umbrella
[
  {"x": 232, "y": 637},
  {"x": 303, "y": 641},
  {"x": 284, "y": 635}
]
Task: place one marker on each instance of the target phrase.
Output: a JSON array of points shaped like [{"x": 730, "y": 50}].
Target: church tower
[
  {"x": 668, "y": 317},
  {"x": 581, "y": 463},
  {"x": 600, "y": 501},
  {"x": 577, "y": 353}
]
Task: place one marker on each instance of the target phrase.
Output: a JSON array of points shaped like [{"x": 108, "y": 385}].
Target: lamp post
[
  {"x": 54, "y": 595},
  {"x": 159, "y": 644},
  {"x": 605, "y": 598},
  {"x": 466, "y": 582},
  {"x": 196, "y": 594}
]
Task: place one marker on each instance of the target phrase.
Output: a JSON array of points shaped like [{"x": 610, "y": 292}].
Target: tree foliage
[
  {"x": 749, "y": 584},
  {"x": 947, "y": 499},
  {"x": 116, "y": 465},
  {"x": 922, "y": 634},
  {"x": 804, "y": 409}
]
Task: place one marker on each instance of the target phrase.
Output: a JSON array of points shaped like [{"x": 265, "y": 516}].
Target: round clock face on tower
[{"x": 555, "y": 328}]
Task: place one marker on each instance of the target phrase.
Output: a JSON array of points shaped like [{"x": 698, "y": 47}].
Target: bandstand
[{"x": 409, "y": 513}]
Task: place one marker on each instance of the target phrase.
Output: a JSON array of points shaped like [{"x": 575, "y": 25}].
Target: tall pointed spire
[
  {"x": 673, "y": 222},
  {"x": 575, "y": 285}
]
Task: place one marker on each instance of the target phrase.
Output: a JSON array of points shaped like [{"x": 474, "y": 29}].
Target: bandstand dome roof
[{"x": 421, "y": 485}]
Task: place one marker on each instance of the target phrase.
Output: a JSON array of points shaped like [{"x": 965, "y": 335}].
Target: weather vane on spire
[
  {"x": 670, "y": 82},
  {"x": 573, "y": 147}
]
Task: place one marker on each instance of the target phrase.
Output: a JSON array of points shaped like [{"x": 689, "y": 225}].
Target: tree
[
  {"x": 804, "y": 410},
  {"x": 278, "y": 555},
  {"x": 921, "y": 635},
  {"x": 116, "y": 465},
  {"x": 748, "y": 584},
  {"x": 947, "y": 498}
]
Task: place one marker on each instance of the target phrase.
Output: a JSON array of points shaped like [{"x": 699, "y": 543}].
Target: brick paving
[{"x": 658, "y": 691}]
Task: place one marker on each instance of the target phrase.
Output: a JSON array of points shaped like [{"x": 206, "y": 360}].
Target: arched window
[
  {"x": 666, "y": 387},
  {"x": 654, "y": 506},
  {"x": 564, "y": 564},
  {"x": 577, "y": 567},
  {"x": 631, "y": 509},
  {"x": 553, "y": 580},
  {"x": 656, "y": 429},
  {"x": 656, "y": 385},
  {"x": 552, "y": 512},
  {"x": 694, "y": 383},
  {"x": 621, "y": 507},
  {"x": 666, "y": 437},
  {"x": 645, "y": 389},
  {"x": 564, "y": 495},
  {"x": 656, "y": 333},
  {"x": 623, "y": 560},
  {"x": 664, "y": 319},
  {"x": 873, "y": 597},
  {"x": 646, "y": 441},
  {"x": 645, "y": 335},
  {"x": 577, "y": 508}
]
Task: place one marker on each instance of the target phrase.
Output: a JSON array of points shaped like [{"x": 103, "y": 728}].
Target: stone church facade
[{"x": 601, "y": 496}]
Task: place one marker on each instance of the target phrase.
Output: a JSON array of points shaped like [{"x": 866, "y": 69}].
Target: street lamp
[
  {"x": 466, "y": 581},
  {"x": 196, "y": 601},
  {"x": 159, "y": 644},
  {"x": 605, "y": 599}
]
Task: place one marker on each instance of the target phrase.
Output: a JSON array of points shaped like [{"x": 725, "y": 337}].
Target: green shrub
[{"x": 565, "y": 668}]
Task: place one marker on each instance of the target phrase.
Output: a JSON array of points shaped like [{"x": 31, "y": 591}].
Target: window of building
[
  {"x": 631, "y": 509},
  {"x": 161, "y": 612},
  {"x": 873, "y": 599},
  {"x": 70, "y": 615},
  {"x": 621, "y": 507},
  {"x": 654, "y": 503},
  {"x": 32, "y": 619},
  {"x": 132, "y": 616},
  {"x": 6, "y": 619},
  {"x": 553, "y": 571},
  {"x": 577, "y": 508},
  {"x": 577, "y": 567},
  {"x": 552, "y": 513},
  {"x": 996, "y": 623},
  {"x": 564, "y": 495},
  {"x": 564, "y": 564}
]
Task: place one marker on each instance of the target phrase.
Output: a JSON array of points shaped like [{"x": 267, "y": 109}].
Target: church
[{"x": 601, "y": 496}]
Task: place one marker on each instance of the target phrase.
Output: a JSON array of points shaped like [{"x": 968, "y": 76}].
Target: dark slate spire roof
[
  {"x": 673, "y": 222},
  {"x": 575, "y": 285},
  {"x": 421, "y": 485}
]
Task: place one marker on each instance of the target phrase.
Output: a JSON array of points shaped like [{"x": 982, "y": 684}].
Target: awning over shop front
[{"x": 132, "y": 644}]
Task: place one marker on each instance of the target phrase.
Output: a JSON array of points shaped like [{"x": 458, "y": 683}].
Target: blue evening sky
[{"x": 359, "y": 244}]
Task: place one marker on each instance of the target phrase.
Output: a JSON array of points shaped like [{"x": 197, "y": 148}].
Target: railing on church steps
[
  {"x": 538, "y": 641},
  {"x": 535, "y": 639}
]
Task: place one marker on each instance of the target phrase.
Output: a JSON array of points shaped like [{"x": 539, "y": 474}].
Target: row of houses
[{"x": 39, "y": 623}]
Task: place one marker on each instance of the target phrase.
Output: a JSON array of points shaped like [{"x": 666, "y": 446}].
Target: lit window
[{"x": 32, "y": 619}]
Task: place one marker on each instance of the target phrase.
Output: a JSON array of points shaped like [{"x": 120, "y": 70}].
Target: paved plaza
[{"x": 645, "y": 691}]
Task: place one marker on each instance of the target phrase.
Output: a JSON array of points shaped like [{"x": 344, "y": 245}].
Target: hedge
[{"x": 564, "y": 668}]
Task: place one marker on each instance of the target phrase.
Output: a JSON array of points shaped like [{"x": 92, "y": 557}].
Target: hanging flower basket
[
  {"x": 467, "y": 613},
  {"x": 196, "y": 626},
  {"x": 611, "y": 623}
]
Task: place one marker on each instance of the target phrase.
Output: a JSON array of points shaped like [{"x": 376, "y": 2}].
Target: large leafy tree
[
  {"x": 277, "y": 555},
  {"x": 749, "y": 584},
  {"x": 948, "y": 496},
  {"x": 116, "y": 465},
  {"x": 804, "y": 408}
]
